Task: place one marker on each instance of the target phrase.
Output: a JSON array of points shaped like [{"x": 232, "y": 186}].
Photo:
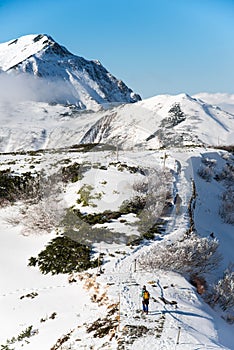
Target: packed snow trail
[
  {"x": 187, "y": 311},
  {"x": 182, "y": 309}
]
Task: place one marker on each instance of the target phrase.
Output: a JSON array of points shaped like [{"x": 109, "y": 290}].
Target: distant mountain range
[{"x": 66, "y": 78}]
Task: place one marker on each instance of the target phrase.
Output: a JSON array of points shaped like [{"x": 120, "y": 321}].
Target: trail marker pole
[
  {"x": 178, "y": 336},
  {"x": 119, "y": 312},
  {"x": 164, "y": 160},
  {"x": 117, "y": 153},
  {"x": 99, "y": 270},
  {"x": 135, "y": 260}
]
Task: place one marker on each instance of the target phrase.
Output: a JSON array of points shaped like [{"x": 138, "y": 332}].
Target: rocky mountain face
[{"x": 68, "y": 79}]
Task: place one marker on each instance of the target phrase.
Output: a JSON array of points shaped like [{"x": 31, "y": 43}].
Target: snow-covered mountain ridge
[
  {"x": 160, "y": 121},
  {"x": 71, "y": 78},
  {"x": 165, "y": 121}
]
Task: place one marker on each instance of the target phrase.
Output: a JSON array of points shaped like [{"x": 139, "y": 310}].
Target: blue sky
[{"x": 154, "y": 46}]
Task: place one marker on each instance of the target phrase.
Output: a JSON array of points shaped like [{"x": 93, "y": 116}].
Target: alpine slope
[{"x": 101, "y": 308}]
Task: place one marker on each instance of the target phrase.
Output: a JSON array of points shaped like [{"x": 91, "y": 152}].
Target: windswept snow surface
[{"x": 61, "y": 313}]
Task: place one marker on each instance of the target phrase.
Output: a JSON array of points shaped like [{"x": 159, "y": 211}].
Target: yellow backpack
[{"x": 146, "y": 295}]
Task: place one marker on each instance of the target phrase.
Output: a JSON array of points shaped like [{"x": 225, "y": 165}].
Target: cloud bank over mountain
[{"x": 25, "y": 87}]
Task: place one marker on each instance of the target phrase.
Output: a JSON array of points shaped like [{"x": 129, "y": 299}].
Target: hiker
[
  {"x": 212, "y": 235},
  {"x": 145, "y": 299}
]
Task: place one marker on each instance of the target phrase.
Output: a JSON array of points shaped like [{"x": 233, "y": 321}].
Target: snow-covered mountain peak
[
  {"x": 15, "y": 51},
  {"x": 72, "y": 79}
]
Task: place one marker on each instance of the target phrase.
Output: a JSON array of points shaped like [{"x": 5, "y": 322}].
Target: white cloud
[{"x": 24, "y": 87}]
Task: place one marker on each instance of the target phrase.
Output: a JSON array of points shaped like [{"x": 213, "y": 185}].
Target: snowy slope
[
  {"x": 166, "y": 121},
  {"x": 67, "y": 315},
  {"x": 37, "y": 125},
  {"x": 64, "y": 77},
  {"x": 161, "y": 121}
]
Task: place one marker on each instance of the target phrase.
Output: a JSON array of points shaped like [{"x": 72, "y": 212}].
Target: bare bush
[
  {"x": 42, "y": 217},
  {"x": 226, "y": 175},
  {"x": 45, "y": 212},
  {"x": 224, "y": 291},
  {"x": 209, "y": 162},
  {"x": 155, "y": 191},
  {"x": 141, "y": 187},
  {"x": 205, "y": 172},
  {"x": 193, "y": 255},
  {"x": 13, "y": 220},
  {"x": 226, "y": 210}
]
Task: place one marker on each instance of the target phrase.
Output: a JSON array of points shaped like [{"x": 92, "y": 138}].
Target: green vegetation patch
[
  {"x": 72, "y": 173},
  {"x": 134, "y": 205},
  {"x": 24, "y": 335},
  {"x": 97, "y": 218},
  {"x": 79, "y": 227},
  {"x": 14, "y": 187},
  {"x": 130, "y": 168},
  {"x": 85, "y": 195},
  {"x": 64, "y": 255}
]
